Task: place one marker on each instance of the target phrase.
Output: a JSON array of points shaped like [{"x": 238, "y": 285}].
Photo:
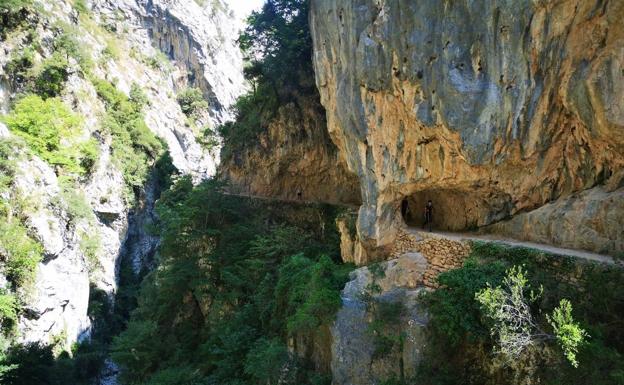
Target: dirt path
[
  {"x": 465, "y": 236},
  {"x": 513, "y": 242},
  {"x": 296, "y": 201}
]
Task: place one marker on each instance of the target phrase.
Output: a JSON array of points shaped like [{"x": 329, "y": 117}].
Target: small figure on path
[
  {"x": 405, "y": 211},
  {"x": 299, "y": 194},
  {"x": 429, "y": 214}
]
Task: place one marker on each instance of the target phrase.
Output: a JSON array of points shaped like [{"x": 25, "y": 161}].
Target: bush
[
  {"x": 314, "y": 300},
  {"x": 12, "y": 13},
  {"x": 253, "y": 112},
  {"x": 52, "y": 132},
  {"x": 513, "y": 324},
  {"x": 267, "y": 360},
  {"x": 19, "y": 252},
  {"x": 90, "y": 245},
  {"x": 8, "y": 310},
  {"x": 596, "y": 290},
  {"x": 13, "y": 6},
  {"x": 68, "y": 45},
  {"x": 192, "y": 102},
  {"x": 74, "y": 202},
  {"x": 81, "y": 6},
  {"x": 51, "y": 78},
  {"x": 18, "y": 67},
  {"x": 159, "y": 61}
]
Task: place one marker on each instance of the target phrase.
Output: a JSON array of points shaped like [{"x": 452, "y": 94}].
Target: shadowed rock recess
[
  {"x": 513, "y": 114},
  {"x": 293, "y": 159}
]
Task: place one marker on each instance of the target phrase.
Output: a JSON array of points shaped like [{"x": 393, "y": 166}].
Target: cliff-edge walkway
[{"x": 513, "y": 242}]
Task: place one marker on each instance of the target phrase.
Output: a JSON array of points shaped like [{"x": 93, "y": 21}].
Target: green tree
[
  {"x": 513, "y": 324},
  {"x": 267, "y": 362}
]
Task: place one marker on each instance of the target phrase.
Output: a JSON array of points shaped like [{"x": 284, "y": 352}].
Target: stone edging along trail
[
  {"x": 513, "y": 242},
  {"x": 460, "y": 237}
]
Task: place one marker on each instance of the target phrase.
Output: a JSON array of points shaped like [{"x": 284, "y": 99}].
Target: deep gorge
[{"x": 190, "y": 198}]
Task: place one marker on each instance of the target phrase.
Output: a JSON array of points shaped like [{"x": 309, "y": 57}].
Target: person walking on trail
[
  {"x": 429, "y": 214},
  {"x": 405, "y": 211}
]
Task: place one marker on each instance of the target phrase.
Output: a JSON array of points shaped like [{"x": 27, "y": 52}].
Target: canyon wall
[
  {"x": 293, "y": 159},
  {"x": 120, "y": 41},
  {"x": 491, "y": 110}
]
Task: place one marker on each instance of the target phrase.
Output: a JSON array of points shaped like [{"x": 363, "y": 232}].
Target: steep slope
[
  {"x": 119, "y": 92},
  {"x": 491, "y": 111}
]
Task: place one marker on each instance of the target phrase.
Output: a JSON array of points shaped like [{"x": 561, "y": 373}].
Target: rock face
[
  {"x": 356, "y": 359},
  {"x": 293, "y": 159},
  {"x": 490, "y": 110},
  {"x": 200, "y": 40},
  {"x": 200, "y": 51},
  {"x": 572, "y": 221},
  {"x": 56, "y": 305}
]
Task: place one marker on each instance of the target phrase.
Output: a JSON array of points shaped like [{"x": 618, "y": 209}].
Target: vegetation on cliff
[
  {"x": 237, "y": 280},
  {"x": 278, "y": 50},
  {"x": 461, "y": 331}
]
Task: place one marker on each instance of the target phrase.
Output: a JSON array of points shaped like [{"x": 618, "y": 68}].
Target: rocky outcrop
[
  {"x": 200, "y": 51},
  {"x": 491, "y": 111},
  {"x": 55, "y": 309},
  {"x": 201, "y": 40},
  {"x": 294, "y": 159},
  {"x": 592, "y": 220},
  {"x": 360, "y": 354}
]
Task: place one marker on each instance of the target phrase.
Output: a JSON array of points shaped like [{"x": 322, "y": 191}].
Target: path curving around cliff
[
  {"x": 286, "y": 200},
  {"x": 465, "y": 236}
]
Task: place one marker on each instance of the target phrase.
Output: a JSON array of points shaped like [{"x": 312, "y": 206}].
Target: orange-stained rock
[{"x": 488, "y": 110}]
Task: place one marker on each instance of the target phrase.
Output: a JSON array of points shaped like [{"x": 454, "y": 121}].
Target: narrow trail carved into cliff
[
  {"x": 514, "y": 242},
  {"x": 286, "y": 200}
]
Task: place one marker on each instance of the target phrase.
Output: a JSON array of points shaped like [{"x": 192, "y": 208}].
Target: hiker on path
[
  {"x": 429, "y": 214},
  {"x": 405, "y": 211}
]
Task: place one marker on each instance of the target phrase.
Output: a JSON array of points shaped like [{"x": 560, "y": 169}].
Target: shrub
[
  {"x": 138, "y": 96},
  {"x": 68, "y": 45},
  {"x": 52, "y": 132},
  {"x": 81, "y": 6},
  {"x": 19, "y": 253},
  {"x": 209, "y": 139},
  {"x": 253, "y": 112},
  {"x": 74, "y": 202},
  {"x": 90, "y": 245},
  {"x": 192, "y": 101},
  {"x": 267, "y": 360},
  {"x": 12, "y": 13},
  {"x": 310, "y": 292},
  {"x": 159, "y": 61},
  {"x": 455, "y": 314},
  {"x": 18, "y": 67},
  {"x": 8, "y": 310},
  {"x": 12, "y": 6},
  {"x": 509, "y": 307},
  {"x": 51, "y": 78},
  {"x": 568, "y": 333}
]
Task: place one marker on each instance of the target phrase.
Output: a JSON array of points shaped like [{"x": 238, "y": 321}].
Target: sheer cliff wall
[{"x": 491, "y": 110}]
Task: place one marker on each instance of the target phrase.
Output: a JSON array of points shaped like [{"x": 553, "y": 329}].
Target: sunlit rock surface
[
  {"x": 489, "y": 109},
  {"x": 199, "y": 51}
]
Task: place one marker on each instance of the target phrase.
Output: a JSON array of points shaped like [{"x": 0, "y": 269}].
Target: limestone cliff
[
  {"x": 119, "y": 41},
  {"x": 293, "y": 159},
  {"x": 490, "y": 109}
]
